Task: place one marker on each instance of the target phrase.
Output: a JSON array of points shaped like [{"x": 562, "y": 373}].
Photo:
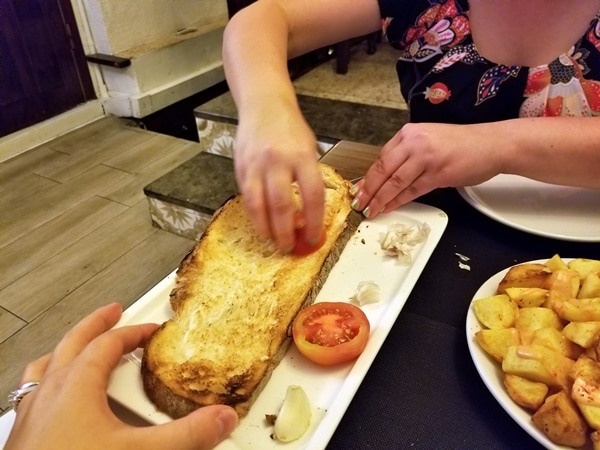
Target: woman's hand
[
  {"x": 69, "y": 408},
  {"x": 275, "y": 147},
  {"x": 422, "y": 157}
]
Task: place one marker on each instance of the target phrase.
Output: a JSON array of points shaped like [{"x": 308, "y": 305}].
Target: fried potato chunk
[
  {"x": 528, "y": 394},
  {"x": 533, "y": 318},
  {"x": 556, "y": 340},
  {"x": 538, "y": 363},
  {"x": 525, "y": 297},
  {"x": 496, "y": 342},
  {"x": 525, "y": 275},
  {"x": 584, "y": 334},
  {"x": 496, "y": 312},
  {"x": 586, "y": 389},
  {"x": 559, "y": 419}
]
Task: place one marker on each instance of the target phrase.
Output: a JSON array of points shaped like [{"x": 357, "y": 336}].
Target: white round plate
[
  {"x": 491, "y": 372},
  {"x": 560, "y": 212}
]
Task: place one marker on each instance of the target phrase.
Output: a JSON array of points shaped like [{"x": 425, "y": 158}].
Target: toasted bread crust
[{"x": 225, "y": 339}]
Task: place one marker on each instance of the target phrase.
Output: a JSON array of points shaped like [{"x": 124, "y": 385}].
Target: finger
[
  {"x": 200, "y": 430},
  {"x": 103, "y": 354},
  {"x": 390, "y": 158},
  {"x": 281, "y": 207},
  {"x": 400, "y": 187},
  {"x": 35, "y": 370},
  {"x": 418, "y": 188},
  {"x": 253, "y": 196},
  {"x": 256, "y": 207},
  {"x": 312, "y": 190},
  {"x": 76, "y": 339}
]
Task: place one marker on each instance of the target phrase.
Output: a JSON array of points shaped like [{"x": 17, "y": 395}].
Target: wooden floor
[{"x": 75, "y": 233}]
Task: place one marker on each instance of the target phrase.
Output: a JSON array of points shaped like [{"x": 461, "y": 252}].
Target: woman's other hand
[{"x": 425, "y": 156}]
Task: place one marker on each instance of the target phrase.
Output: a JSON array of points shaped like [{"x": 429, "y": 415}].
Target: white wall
[
  {"x": 174, "y": 47},
  {"x": 166, "y": 66},
  {"x": 121, "y": 25}
]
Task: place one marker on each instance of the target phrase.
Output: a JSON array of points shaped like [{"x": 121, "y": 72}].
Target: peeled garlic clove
[
  {"x": 294, "y": 417},
  {"x": 367, "y": 292}
]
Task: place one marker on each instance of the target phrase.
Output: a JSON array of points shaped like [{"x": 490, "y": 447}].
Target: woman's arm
[
  {"x": 274, "y": 144},
  {"x": 559, "y": 150}
]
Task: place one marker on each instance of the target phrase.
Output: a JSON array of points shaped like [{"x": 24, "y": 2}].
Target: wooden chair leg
[{"x": 342, "y": 50}]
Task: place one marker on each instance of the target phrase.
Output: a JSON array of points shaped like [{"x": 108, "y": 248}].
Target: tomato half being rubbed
[
  {"x": 331, "y": 333},
  {"x": 302, "y": 247}
]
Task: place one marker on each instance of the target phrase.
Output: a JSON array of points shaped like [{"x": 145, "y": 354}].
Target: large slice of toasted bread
[{"x": 234, "y": 300}]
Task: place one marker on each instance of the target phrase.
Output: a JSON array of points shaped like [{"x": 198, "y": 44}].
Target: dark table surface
[{"x": 422, "y": 390}]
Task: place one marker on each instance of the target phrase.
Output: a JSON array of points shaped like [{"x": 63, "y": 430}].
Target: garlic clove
[
  {"x": 294, "y": 417},
  {"x": 366, "y": 292}
]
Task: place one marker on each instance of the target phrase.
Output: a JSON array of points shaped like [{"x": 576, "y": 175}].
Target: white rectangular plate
[{"x": 329, "y": 389}]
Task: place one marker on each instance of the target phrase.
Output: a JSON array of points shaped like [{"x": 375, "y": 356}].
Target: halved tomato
[
  {"x": 330, "y": 333},
  {"x": 302, "y": 247}
]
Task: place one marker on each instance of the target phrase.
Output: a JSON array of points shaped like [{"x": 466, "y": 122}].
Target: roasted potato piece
[
  {"x": 584, "y": 334},
  {"x": 557, "y": 341},
  {"x": 578, "y": 310},
  {"x": 496, "y": 342},
  {"x": 564, "y": 283},
  {"x": 530, "y": 319},
  {"x": 495, "y": 312},
  {"x": 583, "y": 266},
  {"x": 524, "y": 275},
  {"x": 556, "y": 263},
  {"x": 525, "y": 297},
  {"x": 590, "y": 286},
  {"x": 586, "y": 389},
  {"x": 560, "y": 420},
  {"x": 528, "y": 394},
  {"x": 585, "y": 367},
  {"x": 538, "y": 363}
]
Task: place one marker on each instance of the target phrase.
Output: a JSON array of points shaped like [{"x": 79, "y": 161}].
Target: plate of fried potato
[{"x": 533, "y": 332}]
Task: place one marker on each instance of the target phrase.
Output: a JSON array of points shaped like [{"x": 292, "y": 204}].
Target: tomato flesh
[
  {"x": 331, "y": 333},
  {"x": 302, "y": 247}
]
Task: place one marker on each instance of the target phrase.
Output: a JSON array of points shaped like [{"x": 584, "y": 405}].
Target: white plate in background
[
  {"x": 329, "y": 389},
  {"x": 560, "y": 212}
]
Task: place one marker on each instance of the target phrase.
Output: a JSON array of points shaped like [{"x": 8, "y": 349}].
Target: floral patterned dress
[{"x": 444, "y": 79}]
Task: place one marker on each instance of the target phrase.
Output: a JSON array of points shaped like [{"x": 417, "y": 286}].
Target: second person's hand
[{"x": 425, "y": 156}]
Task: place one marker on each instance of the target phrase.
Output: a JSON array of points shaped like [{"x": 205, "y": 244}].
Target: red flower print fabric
[{"x": 443, "y": 78}]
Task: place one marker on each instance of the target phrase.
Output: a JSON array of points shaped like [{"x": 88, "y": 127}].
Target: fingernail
[
  {"x": 355, "y": 204},
  {"x": 354, "y": 190},
  {"x": 227, "y": 420},
  {"x": 367, "y": 212}
]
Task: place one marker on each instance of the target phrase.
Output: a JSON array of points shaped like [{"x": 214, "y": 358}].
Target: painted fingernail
[
  {"x": 355, "y": 204},
  {"x": 354, "y": 190},
  {"x": 367, "y": 212}
]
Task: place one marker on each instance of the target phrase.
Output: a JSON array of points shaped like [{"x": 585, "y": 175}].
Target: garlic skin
[
  {"x": 366, "y": 292},
  {"x": 294, "y": 416},
  {"x": 400, "y": 239}
]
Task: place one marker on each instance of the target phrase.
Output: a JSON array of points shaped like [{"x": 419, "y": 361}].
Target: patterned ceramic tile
[
  {"x": 178, "y": 219},
  {"x": 219, "y": 138}
]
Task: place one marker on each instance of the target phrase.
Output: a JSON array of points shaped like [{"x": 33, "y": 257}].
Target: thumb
[{"x": 202, "y": 429}]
